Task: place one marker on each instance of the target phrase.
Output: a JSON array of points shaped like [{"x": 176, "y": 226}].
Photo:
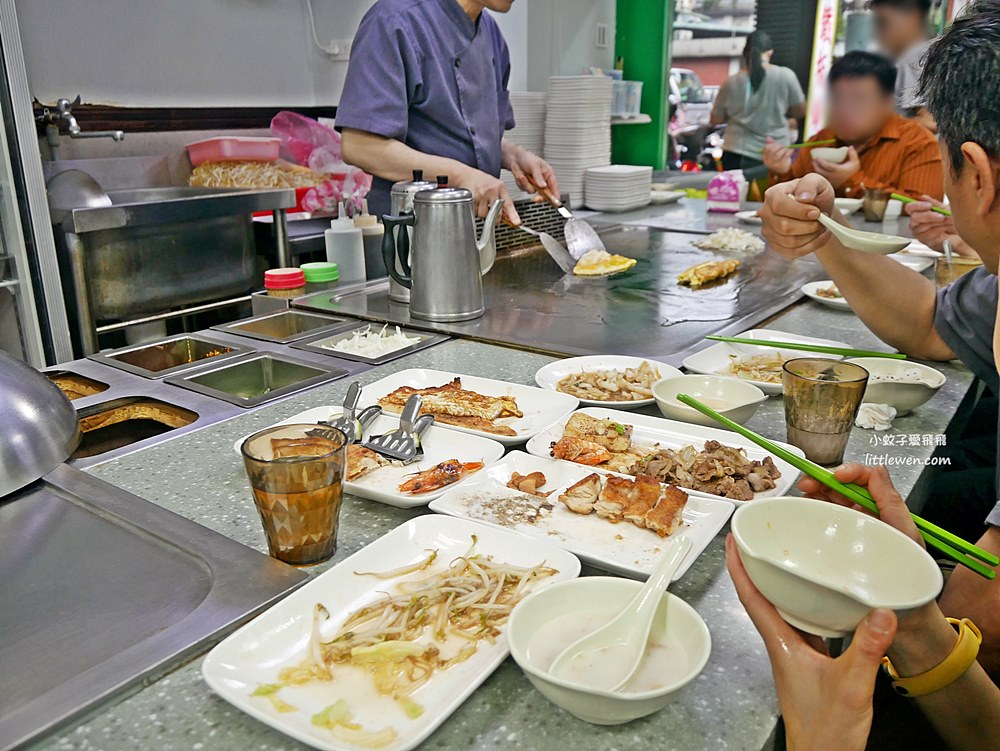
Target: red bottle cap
[{"x": 284, "y": 279}]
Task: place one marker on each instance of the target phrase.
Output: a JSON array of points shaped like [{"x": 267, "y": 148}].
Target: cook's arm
[{"x": 393, "y": 160}]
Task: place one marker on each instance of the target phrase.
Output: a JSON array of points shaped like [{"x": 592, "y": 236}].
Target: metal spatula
[
  {"x": 553, "y": 247},
  {"x": 401, "y": 444},
  {"x": 580, "y": 236},
  {"x": 350, "y": 424}
]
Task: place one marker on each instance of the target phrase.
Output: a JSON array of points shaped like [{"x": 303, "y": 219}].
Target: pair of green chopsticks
[
  {"x": 907, "y": 199},
  {"x": 942, "y": 540},
  {"x": 807, "y": 144},
  {"x": 843, "y": 351}
]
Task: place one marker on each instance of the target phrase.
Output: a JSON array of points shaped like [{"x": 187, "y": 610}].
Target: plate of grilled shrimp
[
  {"x": 506, "y": 412},
  {"x": 702, "y": 461},
  {"x": 447, "y": 459},
  {"x": 615, "y": 381},
  {"x": 619, "y": 524}
]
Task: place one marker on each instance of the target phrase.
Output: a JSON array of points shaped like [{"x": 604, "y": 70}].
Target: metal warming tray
[
  {"x": 256, "y": 379},
  {"x": 324, "y": 344},
  {"x": 285, "y": 326},
  {"x": 106, "y": 590},
  {"x": 169, "y": 356}
]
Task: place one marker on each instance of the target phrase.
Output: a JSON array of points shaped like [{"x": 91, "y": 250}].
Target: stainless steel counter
[{"x": 645, "y": 312}]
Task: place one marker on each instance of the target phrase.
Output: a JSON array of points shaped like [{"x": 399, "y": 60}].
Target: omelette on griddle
[{"x": 703, "y": 273}]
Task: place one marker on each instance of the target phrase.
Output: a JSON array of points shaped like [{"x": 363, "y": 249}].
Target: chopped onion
[{"x": 367, "y": 343}]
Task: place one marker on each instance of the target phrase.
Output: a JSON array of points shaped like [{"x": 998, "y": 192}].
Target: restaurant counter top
[{"x": 730, "y": 705}]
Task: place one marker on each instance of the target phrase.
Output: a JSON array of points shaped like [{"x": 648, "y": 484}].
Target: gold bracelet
[{"x": 949, "y": 670}]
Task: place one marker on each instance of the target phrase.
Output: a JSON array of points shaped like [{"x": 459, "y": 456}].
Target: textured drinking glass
[
  {"x": 822, "y": 398},
  {"x": 946, "y": 272},
  {"x": 297, "y": 481},
  {"x": 875, "y": 203}
]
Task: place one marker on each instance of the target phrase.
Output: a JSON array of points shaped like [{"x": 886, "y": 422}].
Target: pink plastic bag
[{"x": 306, "y": 142}]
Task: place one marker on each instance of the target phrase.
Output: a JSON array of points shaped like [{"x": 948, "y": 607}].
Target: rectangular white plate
[
  {"x": 715, "y": 360},
  {"x": 673, "y": 434},
  {"x": 279, "y": 637},
  {"x": 919, "y": 263},
  {"x": 619, "y": 548},
  {"x": 382, "y": 485},
  {"x": 540, "y": 407}
]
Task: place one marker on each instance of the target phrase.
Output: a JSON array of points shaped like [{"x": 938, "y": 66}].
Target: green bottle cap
[{"x": 320, "y": 271}]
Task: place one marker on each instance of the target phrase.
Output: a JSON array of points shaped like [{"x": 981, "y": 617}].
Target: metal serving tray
[
  {"x": 285, "y": 326},
  {"x": 169, "y": 356},
  {"x": 256, "y": 379},
  {"x": 323, "y": 344}
]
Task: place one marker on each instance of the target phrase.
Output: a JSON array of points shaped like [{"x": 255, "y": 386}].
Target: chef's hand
[
  {"x": 485, "y": 190},
  {"x": 532, "y": 172},
  {"x": 826, "y": 703},
  {"x": 838, "y": 174},
  {"x": 777, "y": 158},
  {"x": 790, "y": 224}
]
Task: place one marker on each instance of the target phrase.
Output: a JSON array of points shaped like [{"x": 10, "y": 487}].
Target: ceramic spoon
[
  {"x": 866, "y": 242},
  {"x": 609, "y": 656}
]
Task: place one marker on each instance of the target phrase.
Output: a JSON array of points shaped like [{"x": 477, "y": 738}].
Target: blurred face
[
  {"x": 963, "y": 195},
  {"x": 859, "y": 109},
  {"x": 897, "y": 29}
]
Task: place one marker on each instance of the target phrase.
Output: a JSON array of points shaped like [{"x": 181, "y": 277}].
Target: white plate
[
  {"x": 540, "y": 407},
  {"x": 715, "y": 360},
  {"x": 848, "y": 206},
  {"x": 549, "y": 375},
  {"x": 278, "y": 638},
  {"x": 619, "y": 548},
  {"x": 810, "y": 291},
  {"x": 918, "y": 263},
  {"x": 667, "y": 196},
  {"x": 917, "y": 248},
  {"x": 382, "y": 485},
  {"x": 673, "y": 434},
  {"x": 749, "y": 217}
]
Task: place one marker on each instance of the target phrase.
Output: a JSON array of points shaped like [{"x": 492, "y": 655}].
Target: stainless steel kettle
[
  {"x": 401, "y": 198},
  {"x": 444, "y": 269}
]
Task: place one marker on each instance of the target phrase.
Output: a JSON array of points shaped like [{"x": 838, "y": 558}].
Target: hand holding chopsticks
[
  {"x": 843, "y": 351},
  {"x": 907, "y": 199},
  {"x": 936, "y": 537}
]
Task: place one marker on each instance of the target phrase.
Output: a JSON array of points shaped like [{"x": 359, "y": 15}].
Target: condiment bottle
[
  {"x": 321, "y": 275},
  {"x": 371, "y": 233},
  {"x": 285, "y": 283},
  {"x": 345, "y": 247}
]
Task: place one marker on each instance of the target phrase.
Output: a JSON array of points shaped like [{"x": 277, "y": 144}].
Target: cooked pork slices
[{"x": 581, "y": 497}]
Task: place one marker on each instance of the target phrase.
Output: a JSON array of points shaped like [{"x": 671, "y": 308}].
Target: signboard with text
[{"x": 822, "y": 58}]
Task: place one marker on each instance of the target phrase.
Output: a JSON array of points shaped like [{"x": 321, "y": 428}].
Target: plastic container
[
  {"x": 285, "y": 282},
  {"x": 234, "y": 149},
  {"x": 345, "y": 247},
  {"x": 321, "y": 275},
  {"x": 626, "y": 98}
]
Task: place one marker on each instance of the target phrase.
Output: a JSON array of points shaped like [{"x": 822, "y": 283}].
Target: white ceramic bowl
[
  {"x": 905, "y": 397},
  {"x": 676, "y": 621},
  {"x": 827, "y": 154},
  {"x": 848, "y": 206},
  {"x": 825, "y": 567},
  {"x": 738, "y": 400}
]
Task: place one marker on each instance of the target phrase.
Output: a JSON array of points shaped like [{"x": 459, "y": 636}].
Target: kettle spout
[{"x": 487, "y": 244}]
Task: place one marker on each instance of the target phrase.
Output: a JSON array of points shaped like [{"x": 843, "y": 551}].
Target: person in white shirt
[{"x": 903, "y": 31}]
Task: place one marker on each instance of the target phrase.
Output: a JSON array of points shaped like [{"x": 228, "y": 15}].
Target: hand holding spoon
[
  {"x": 866, "y": 242},
  {"x": 619, "y": 645}
]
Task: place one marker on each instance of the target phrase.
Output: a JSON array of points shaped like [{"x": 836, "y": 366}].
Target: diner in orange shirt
[{"x": 884, "y": 150}]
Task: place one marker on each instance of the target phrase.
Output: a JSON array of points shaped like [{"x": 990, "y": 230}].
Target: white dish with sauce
[
  {"x": 545, "y": 622},
  {"x": 811, "y": 290},
  {"x": 902, "y": 384},
  {"x": 717, "y": 359},
  {"x": 731, "y": 397}
]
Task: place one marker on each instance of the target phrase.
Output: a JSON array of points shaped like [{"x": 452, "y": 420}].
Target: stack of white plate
[
  {"x": 529, "y": 120},
  {"x": 618, "y": 187},
  {"x": 577, "y": 130}
]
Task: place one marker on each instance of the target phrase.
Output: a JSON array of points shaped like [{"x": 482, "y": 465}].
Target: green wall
[{"x": 642, "y": 38}]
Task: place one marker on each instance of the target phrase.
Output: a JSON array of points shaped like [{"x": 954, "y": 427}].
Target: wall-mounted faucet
[{"x": 64, "y": 113}]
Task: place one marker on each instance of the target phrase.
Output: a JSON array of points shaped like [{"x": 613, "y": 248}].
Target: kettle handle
[{"x": 389, "y": 247}]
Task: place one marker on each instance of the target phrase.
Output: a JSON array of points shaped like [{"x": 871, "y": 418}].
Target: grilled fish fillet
[
  {"x": 703, "y": 273},
  {"x": 614, "y": 436},
  {"x": 666, "y": 516},
  {"x": 452, "y": 399},
  {"x": 362, "y": 461},
  {"x": 647, "y": 494},
  {"x": 581, "y": 497},
  {"x": 618, "y": 494}
]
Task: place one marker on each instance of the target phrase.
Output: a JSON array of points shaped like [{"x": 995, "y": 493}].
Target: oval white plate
[
  {"x": 810, "y": 291},
  {"x": 749, "y": 217},
  {"x": 549, "y": 376}
]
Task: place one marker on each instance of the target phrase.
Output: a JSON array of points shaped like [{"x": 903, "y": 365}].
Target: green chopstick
[
  {"x": 807, "y": 144},
  {"x": 941, "y": 539},
  {"x": 907, "y": 199},
  {"x": 846, "y": 352}
]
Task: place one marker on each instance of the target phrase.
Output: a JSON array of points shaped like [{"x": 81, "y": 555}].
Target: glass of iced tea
[
  {"x": 822, "y": 398},
  {"x": 296, "y": 474},
  {"x": 876, "y": 201}
]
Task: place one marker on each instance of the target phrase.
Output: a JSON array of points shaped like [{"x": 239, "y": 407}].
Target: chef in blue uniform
[{"x": 427, "y": 89}]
